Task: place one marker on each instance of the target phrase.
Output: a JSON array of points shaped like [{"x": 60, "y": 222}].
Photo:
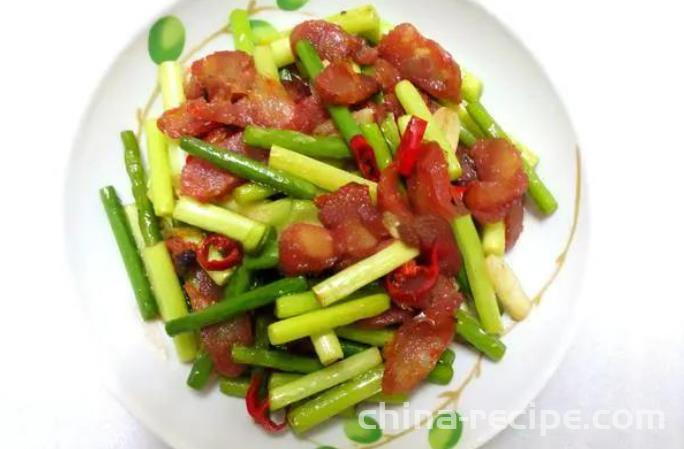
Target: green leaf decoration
[
  {"x": 291, "y": 5},
  {"x": 356, "y": 432},
  {"x": 263, "y": 32},
  {"x": 166, "y": 39},
  {"x": 326, "y": 447},
  {"x": 446, "y": 430}
]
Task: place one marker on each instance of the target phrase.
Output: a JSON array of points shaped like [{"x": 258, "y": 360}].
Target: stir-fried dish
[{"x": 322, "y": 215}]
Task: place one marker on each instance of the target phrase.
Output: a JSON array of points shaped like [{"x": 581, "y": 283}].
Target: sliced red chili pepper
[
  {"x": 410, "y": 146},
  {"x": 365, "y": 157},
  {"x": 408, "y": 284},
  {"x": 457, "y": 192},
  {"x": 252, "y": 396},
  {"x": 259, "y": 410},
  {"x": 231, "y": 253}
]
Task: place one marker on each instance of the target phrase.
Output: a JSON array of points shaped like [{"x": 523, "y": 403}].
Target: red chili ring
[
  {"x": 230, "y": 250},
  {"x": 259, "y": 410},
  {"x": 410, "y": 146},
  {"x": 457, "y": 192},
  {"x": 396, "y": 282},
  {"x": 365, "y": 157}
]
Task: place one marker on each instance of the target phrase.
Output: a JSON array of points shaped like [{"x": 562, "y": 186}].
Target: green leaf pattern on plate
[
  {"x": 166, "y": 39},
  {"x": 446, "y": 430},
  {"x": 370, "y": 432},
  {"x": 291, "y": 5}
]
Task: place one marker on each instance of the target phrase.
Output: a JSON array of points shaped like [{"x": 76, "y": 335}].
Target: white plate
[{"x": 141, "y": 369}]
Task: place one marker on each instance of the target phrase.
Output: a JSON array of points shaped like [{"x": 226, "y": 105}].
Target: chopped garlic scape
[
  {"x": 494, "y": 238},
  {"x": 508, "y": 289}
]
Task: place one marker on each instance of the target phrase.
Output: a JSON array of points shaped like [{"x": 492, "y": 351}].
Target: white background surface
[{"x": 618, "y": 67}]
